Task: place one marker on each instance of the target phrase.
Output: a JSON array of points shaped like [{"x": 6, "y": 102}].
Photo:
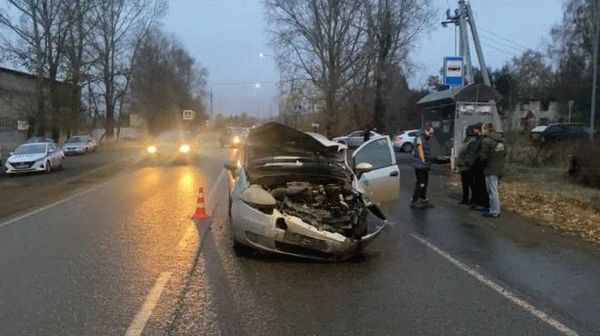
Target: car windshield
[
  {"x": 31, "y": 149},
  {"x": 77, "y": 139},
  {"x": 174, "y": 136},
  {"x": 237, "y": 131}
]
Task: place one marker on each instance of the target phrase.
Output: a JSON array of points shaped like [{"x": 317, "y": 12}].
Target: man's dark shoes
[
  {"x": 490, "y": 215},
  {"x": 421, "y": 204},
  {"x": 417, "y": 205}
]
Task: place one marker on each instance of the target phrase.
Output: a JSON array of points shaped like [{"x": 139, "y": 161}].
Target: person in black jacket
[
  {"x": 479, "y": 199},
  {"x": 466, "y": 158},
  {"x": 367, "y": 135},
  {"x": 421, "y": 159},
  {"x": 493, "y": 154}
]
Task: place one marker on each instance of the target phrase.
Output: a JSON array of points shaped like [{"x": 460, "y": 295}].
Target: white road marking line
[
  {"x": 140, "y": 320},
  {"x": 68, "y": 198},
  {"x": 499, "y": 289},
  {"x": 186, "y": 236},
  {"x": 51, "y": 205}
]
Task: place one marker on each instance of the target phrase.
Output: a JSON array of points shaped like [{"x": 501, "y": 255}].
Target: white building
[{"x": 527, "y": 115}]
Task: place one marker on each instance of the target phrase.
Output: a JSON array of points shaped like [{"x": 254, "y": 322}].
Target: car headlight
[
  {"x": 184, "y": 149},
  {"x": 151, "y": 149},
  {"x": 236, "y": 139}
]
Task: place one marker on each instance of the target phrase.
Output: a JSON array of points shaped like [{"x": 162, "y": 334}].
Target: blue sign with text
[{"x": 454, "y": 73}]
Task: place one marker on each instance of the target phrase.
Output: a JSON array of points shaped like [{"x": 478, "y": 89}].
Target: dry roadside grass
[{"x": 547, "y": 197}]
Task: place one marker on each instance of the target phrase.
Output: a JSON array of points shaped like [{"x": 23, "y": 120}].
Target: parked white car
[
  {"x": 405, "y": 141},
  {"x": 35, "y": 157},
  {"x": 355, "y": 139},
  {"x": 80, "y": 144},
  {"x": 295, "y": 193}
]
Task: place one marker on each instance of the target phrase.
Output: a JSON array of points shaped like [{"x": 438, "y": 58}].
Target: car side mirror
[
  {"x": 363, "y": 167},
  {"x": 231, "y": 166},
  {"x": 11, "y": 153},
  {"x": 51, "y": 150}
]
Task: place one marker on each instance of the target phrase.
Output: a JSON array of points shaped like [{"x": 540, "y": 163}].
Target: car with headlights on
[
  {"x": 35, "y": 157},
  {"x": 80, "y": 144},
  {"x": 299, "y": 194},
  {"x": 174, "y": 144},
  {"x": 233, "y": 137}
]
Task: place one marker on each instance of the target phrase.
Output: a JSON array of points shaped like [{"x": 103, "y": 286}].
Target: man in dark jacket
[
  {"x": 421, "y": 159},
  {"x": 466, "y": 158},
  {"x": 479, "y": 199},
  {"x": 493, "y": 154},
  {"x": 367, "y": 135}
]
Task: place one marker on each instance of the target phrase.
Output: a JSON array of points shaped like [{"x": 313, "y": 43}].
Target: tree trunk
[
  {"x": 379, "y": 104},
  {"x": 330, "y": 112}
]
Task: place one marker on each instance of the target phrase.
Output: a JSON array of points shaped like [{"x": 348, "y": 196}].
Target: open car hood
[{"x": 283, "y": 140}]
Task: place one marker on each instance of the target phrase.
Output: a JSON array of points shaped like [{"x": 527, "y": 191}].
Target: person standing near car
[
  {"x": 493, "y": 154},
  {"x": 421, "y": 159},
  {"x": 465, "y": 160},
  {"x": 367, "y": 135}
]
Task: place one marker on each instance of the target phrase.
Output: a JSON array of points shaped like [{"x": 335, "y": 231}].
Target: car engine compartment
[{"x": 333, "y": 206}]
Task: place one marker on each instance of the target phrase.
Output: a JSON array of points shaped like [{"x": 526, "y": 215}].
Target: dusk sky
[{"x": 227, "y": 36}]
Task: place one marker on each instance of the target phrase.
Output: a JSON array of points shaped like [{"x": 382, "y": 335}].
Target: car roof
[
  {"x": 567, "y": 124},
  {"x": 36, "y": 143}
]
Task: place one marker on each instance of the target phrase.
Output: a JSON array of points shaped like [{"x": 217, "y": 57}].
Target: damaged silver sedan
[{"x": 296, "y": 193}]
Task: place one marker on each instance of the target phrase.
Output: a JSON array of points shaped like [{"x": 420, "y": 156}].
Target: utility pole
[
  {"x": 465, "y": 49},
  {"x": 570, "y": 109},
  {"x": 595, "y": 66},
  {"x": 484, "y": 72},
  {"x": 463, "y": 16}
]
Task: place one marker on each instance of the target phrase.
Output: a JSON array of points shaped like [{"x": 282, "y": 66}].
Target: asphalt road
[{"x": 122, "y": 255}]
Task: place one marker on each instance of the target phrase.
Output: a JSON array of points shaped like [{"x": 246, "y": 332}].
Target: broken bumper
[{"x": 280, "y": 233}]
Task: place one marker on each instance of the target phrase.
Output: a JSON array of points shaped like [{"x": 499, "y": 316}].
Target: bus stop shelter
[{"x": 451, "y": 111}]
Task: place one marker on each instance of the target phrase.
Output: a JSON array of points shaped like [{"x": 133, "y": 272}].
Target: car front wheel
[{"x": 48, "y": 168}]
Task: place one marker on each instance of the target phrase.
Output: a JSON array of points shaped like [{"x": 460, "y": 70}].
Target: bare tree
[
  {"x": 325, "y": 40},
  {"x": 165, "y": 81},
  {"x": 120, "y": 28},
  {"x": 78, "y": 58},
  {"x": 394, "y": 26},
  {"x": 41, "y": 36}
]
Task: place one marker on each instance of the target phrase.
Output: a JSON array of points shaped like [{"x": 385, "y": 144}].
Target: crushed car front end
[{"x": 299, "y": 198}]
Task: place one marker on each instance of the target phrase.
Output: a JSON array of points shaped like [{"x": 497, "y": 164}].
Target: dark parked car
[{"x": 559, "y": 132}]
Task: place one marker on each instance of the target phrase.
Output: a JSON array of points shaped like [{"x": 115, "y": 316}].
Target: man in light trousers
[{"x": 493, "y": 154}]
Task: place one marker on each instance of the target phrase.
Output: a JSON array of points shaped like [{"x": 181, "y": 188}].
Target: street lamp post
[{"x": 264, "y": 55}]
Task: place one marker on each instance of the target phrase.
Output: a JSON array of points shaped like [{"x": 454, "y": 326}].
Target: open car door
[{"x": 382, "y": 181}]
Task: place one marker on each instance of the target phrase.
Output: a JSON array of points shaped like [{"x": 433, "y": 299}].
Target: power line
[
  {"x": 504, "y": 44},
  {"x": 504, "y": 38},
  {"x": 498, "y": 49}
]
